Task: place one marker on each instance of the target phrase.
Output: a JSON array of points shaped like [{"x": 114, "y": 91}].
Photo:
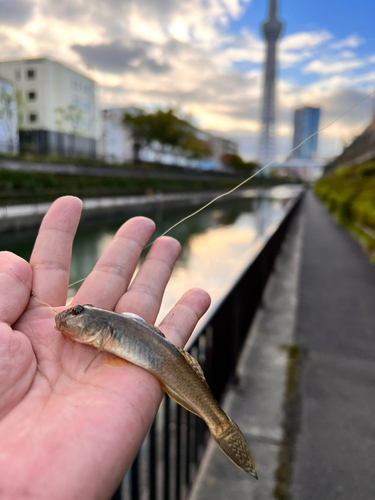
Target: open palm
[{"x": 65, "y": 433}]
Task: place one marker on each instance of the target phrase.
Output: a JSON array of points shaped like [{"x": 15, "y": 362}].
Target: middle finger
[{"x": 112, "y": 274}]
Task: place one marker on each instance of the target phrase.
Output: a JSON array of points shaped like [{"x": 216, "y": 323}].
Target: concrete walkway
[
  {"x": 321, "y": 296},
  {"x": 256, "y": 404},
  {"x": 335, "y": 450}
]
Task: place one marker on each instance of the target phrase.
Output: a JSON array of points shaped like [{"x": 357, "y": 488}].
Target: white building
[
  {"x": 8, "y": 118},
  {"x": 305, "y": 169},
  {"x": 115, "y": 144},
  {"x": 220, "y": 147},
  {"x": 45, "y": 86}
]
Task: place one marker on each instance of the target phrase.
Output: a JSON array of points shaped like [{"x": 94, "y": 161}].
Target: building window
[
  {"x": 31, "y": 96},
  {"x": 30, "y": 74},
  {"x": 17, "y": 74},
  {"x": 33, "y": 117}
]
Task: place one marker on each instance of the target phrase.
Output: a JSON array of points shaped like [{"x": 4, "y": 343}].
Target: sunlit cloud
[
  {"x": 352, "y": 41},
  {"x": 300, "y": 41},
  {"x": 331, "y": 67}
]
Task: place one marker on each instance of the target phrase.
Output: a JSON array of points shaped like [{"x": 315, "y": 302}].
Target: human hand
[{"x": 64, "y": 433}]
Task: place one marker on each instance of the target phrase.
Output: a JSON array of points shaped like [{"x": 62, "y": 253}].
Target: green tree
[
  {"x": 197, "y": 148},
  {"x": 71, "y": 115},
  {"x": 237, "y": 163},
  {"x": 8, "y": 109},
  {"x": 140, "y": 127},
  {"x": 165, "y": 133}
]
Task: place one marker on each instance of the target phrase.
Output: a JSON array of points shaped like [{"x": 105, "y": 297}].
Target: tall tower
[{"x": 271, "y": 29}]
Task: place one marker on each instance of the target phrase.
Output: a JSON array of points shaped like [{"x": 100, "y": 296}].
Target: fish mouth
[{"x": 58, "y": 322}]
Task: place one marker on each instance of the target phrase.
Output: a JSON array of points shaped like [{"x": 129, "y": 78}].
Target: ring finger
[{"x": 146, "y": 292}]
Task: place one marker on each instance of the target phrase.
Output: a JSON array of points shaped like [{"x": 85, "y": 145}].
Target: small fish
[{"x": 132, "y": 338}]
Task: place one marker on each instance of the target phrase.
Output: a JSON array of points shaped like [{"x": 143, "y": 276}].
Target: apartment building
[{"x": 57, "y": 111}]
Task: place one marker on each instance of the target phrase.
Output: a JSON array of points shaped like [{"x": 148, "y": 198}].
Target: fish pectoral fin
[
  {"x": 194, "y": 364},
  {"x": 177, "y": 398},
  {"x": 107, "y": 334}
]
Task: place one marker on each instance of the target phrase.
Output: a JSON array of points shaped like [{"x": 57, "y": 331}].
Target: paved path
[
  {"x": 256, "y": 404},
  {"x": 335, "y": 450}
]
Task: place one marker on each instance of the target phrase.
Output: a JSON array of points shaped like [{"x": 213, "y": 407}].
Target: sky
[{"x": 205, "y": 58}]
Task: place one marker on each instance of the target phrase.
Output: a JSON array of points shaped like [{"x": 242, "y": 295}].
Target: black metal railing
[{"x": 169, "y": 458}]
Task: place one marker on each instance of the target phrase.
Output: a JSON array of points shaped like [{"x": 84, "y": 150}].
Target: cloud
[
  {"x": 118, "y": 58},
  {"x": 300, "y": 41},
  {"x": 9, "y": 47},
  {"x": 15, "y": 12},
  {"x": 299, "y": 47},
  {"x": 352, "y": 42},
  {"x": 246, "y": 47},
  {"x": 332, "y": 67}
]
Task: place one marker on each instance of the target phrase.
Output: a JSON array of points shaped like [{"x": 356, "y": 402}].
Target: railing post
[
  {"x": 152, "y": 462},
  {"x": 178, "y": 453},
  {"x": 166, "y": 447},
  {"x": 135, "y": 479}
]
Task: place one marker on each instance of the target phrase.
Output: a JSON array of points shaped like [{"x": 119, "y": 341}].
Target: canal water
[{"x": 214, "y": 243}]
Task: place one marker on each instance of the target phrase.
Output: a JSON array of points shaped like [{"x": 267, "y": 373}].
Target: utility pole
[{"x": 271, "y": 29}]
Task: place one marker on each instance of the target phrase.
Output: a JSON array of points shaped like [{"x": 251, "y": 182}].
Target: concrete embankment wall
[
  {"x": 105, "y": 171},
  {"x": 20, "y": 216}
]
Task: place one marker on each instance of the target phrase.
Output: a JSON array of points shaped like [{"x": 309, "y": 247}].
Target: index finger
[
  {"x": 50, "y": 259},
  {"x": 15, "y": 286}
]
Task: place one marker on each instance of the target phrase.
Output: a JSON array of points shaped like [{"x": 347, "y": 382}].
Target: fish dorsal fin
[
  {"x": 194, "y": 364},
  {"x": 132, "y": 316},
  {"x": 141, "y": 321},
  {"x": 155, "y": 329}
]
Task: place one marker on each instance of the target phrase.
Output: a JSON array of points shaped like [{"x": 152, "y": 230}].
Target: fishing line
[
  {"x": 44, "y": 303},
  {"x": 277, "y": 158},
  {"x": 76, "y": 282}
]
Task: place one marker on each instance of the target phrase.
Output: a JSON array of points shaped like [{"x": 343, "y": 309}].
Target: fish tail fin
[{"x": 230, "y": 440}]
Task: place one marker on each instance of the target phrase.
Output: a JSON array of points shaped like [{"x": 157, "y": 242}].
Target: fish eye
[{"x": 77, "y": 309}]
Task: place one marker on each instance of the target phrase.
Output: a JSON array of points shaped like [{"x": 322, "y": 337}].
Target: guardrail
[{"x": 169, "y": 458}]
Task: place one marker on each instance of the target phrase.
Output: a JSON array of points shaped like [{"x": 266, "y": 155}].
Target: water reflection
[{"x": 214, "y": 243}]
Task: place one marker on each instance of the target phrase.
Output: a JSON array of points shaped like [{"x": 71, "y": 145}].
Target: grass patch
[
  {"x": 349, "y": 194},
  {"x": 26, "y": 187},
  {"x": 283, "y": 472}
]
